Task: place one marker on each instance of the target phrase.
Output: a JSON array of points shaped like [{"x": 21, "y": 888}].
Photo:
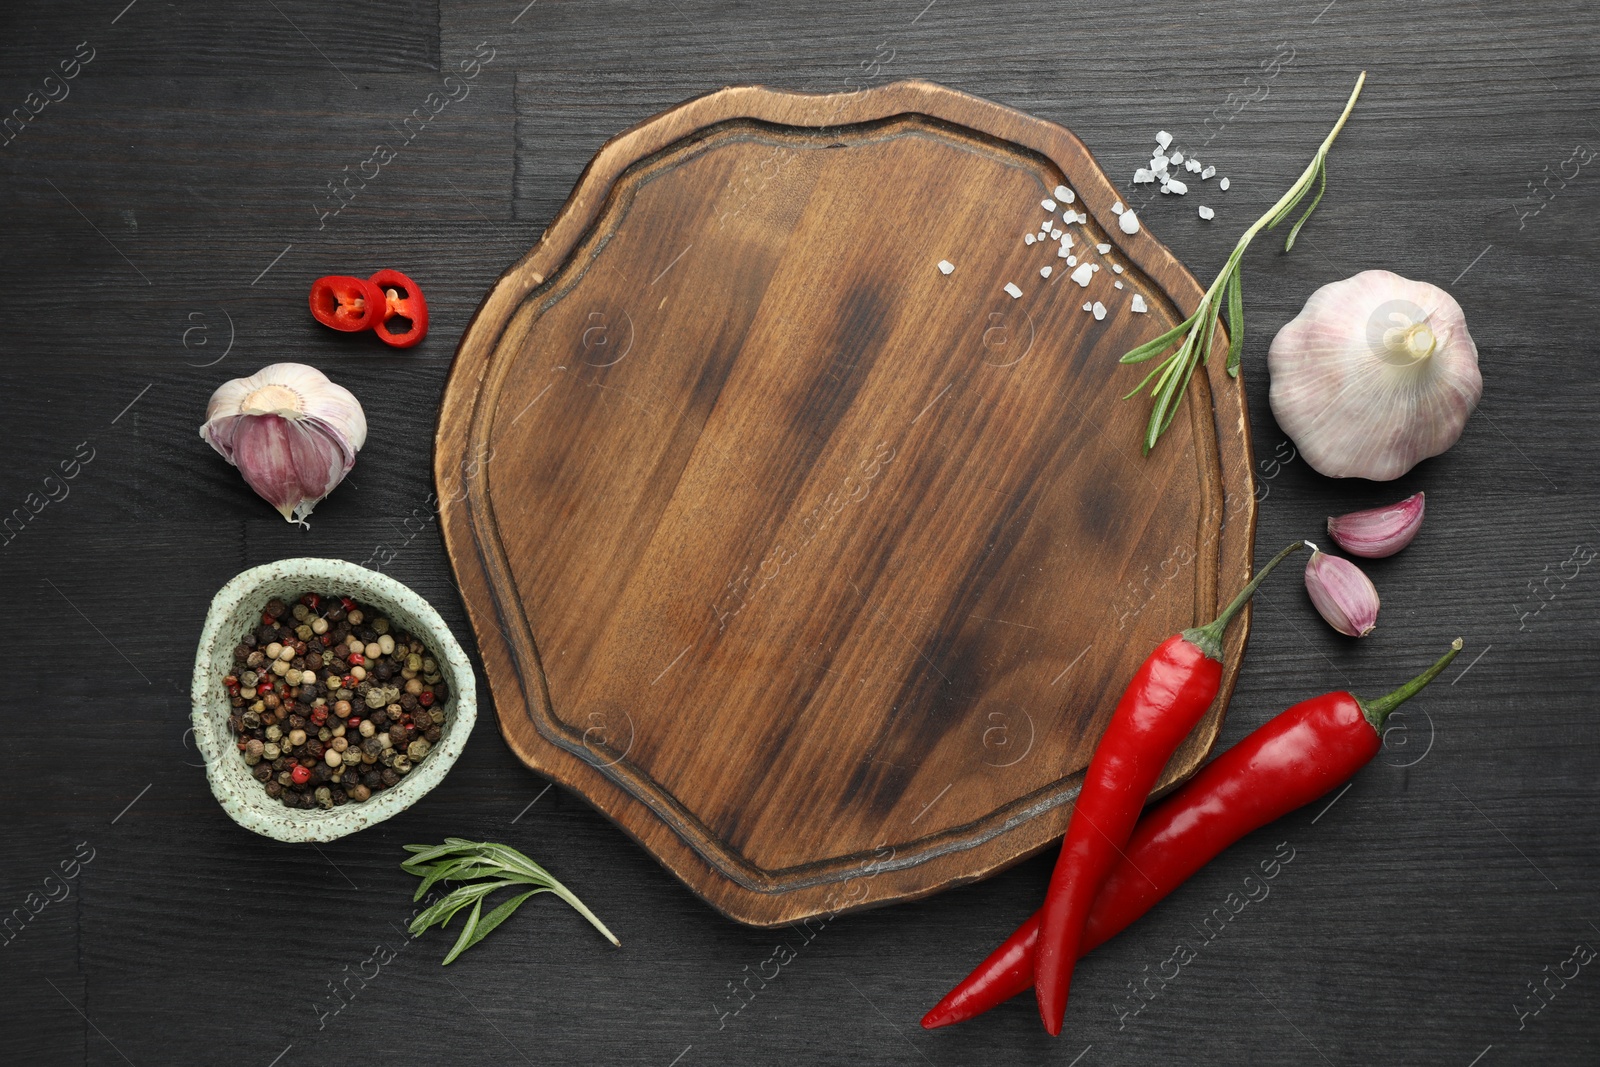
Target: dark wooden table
[{"x": 163, "y": 218}]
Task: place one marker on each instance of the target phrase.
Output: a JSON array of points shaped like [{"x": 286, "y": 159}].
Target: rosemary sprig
[
  {"x": 1227, "y": 291},
  {"x": 482, "y": 867}
]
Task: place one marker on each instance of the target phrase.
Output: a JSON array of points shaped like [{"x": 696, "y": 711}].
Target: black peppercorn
[
  {"x": 339, "y": 797},
  {"x": 397, "y": 734},
  {"x": 321, "y": 773},
  {"x": 379, "y": 719},
  {"x": 335, "y": 614},
  {"x": 262, "y": 772},
  {"x": 434, "y": 733},
  {"x": 385, "y": 671},
  {"x": 274, "y": 789},
  {"x": 389, "y": 776},
  {"x": 372, "y": 780},
  {"x": 241, "y": 653},
  {"x": 275, "y": 608}
]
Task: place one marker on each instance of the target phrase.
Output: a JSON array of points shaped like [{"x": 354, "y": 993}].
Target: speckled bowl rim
[{"x": 234, "y": 610}]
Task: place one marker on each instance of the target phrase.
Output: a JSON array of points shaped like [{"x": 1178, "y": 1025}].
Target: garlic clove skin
[
  {"x": 292, "y": 433},
  {"x": 1375, "y": 374},
  {"x": 1344, "y": 596},
  {"x": 1379, "y": 532}
]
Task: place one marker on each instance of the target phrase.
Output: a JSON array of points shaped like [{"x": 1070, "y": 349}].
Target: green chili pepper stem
[
  {"x": 1208, "y": 638},
  {"x": 1377, "y": 711}
]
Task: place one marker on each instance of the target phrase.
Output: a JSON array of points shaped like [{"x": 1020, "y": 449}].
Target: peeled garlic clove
[
  {"x": 1344, "y": 597},
  {"x": 1378, "y": 532},
  {"x": 1376, "y": 374},
  {"x": 292, "y": 433}
]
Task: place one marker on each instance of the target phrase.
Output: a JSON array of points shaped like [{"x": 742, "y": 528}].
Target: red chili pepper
[
  {"x": 1284, "y": 764},
  {"x": 405, "y": 311},
  {"x": 1167, "y": 697},
  {"x": 349, "y": 305}
]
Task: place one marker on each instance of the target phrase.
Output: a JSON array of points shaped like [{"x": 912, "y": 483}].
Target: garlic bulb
[
  {"x": 292, "y": 433},
  {"x": 1376, "y": 374}
]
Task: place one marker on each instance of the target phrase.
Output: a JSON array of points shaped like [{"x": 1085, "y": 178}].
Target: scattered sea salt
[
  {"x": 1116, "y": 269},
  {"x": 1062, "y": 253},
  {"x": 945, "y": 266},
  {"x": 1117, "y": 209},
  {"x": 1065, "y": 195},
  {"x": 1072, "y": 261},
  {"x": 1143, "y": 175},
  {"x": 1163, "y": 139},
  {"x": 1047, "y": 204},
  {"x": 1178, "y": 187},
  {"x": 1102, "y": 248},
  {"x": 1013, "y": 290},
  {"x": 1099, "y": 311},
  {"x": 1191, "y": 164},
  {"x": 1082, "y": 275},
  {"x": 1094, "y": 266},
  {"x": 1176, "y": 157},
  {"x": 1057, "y": 233},
  {"x": 1028, "y": 238},
  {"x": 1207, "y": 213},
  {"x": 1044, "y": 272},
  {"x": 1128, "y": 222},
  {"x": 1116, "y": 285},
  {"x": 1066, "y": 239},
  {"x": 1208, "y": 172},
  {"x": 1088, "y": 307},
  {"x": 1158, "y": 163},
  {"x": 1139, "y": 304},
  {"x": 1223, "y": 185}
]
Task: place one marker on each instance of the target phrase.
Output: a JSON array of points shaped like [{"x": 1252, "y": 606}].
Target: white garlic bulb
[
  {"x": 292, "y": 433},
  {"x": 1376, "y": 374}
]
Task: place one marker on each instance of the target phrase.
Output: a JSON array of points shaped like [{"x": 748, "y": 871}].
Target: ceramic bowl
[{"x": 236, "y": 609}]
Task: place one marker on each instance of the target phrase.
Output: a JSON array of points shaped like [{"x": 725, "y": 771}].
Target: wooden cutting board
[{"x": 815, "y": 568}]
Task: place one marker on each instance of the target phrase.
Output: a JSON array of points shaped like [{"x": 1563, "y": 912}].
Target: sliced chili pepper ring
[
  {"x": 347, "y": 304},
  {"x": 404, "y": 320}
]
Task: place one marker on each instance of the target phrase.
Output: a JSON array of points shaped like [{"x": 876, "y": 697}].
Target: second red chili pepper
[
  {"x": 1285, "y": 764},
  {"x": 1166, "y": 699},
  {"x": 404, "y": 308}
]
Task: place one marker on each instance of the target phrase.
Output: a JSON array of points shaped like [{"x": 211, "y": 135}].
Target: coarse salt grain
[
  {"x": 1044, "y": 272},
  {"x": 1082, "y": 274},
  {"x": 1208, "y": 172},
  {"x": 1013, "y": 290},
  {"x": 1223, "y": 185},
  {"x": 1192, "y": 164},
  {"x": 1028, "y": 238},
  {"x": 1176, "y": 157},
  {"x": 1094, "y": 266},
  {"x": 1057, "y": 233},
  {"x": 1062, "y": 253},
  {"x": 1178, "y": 187},
  {"x": 1088, "y": 307},
  {"x": 1099, "y": 311},
  {"x": 1116, "y": 269},
  {"x": 1065, "y": 195},
  {"x": 1207, "y": 213},
  {"x": 1102, "y": 248},
  {"x": 1047, "y": 204},
  {"x": 1072, "y": 261},
  {"x": 1158, "y": 163},
  {"x": 945, "y": 266},
  {"x": 1139, "y": 304},
  {"x": 1128, "y": 222},
  {"x": 1066, "y": 239},
  {"x": 1116, "y": 285},
  {"x": 1163, "y": 139},
  {"x": 1116, "y": 209},
  {"x": 1143, "y": 175}
]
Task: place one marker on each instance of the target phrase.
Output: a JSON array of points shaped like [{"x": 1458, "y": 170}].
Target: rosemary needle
[
  {"x": 1193, "y": 335},
  {"x": 481, "y": 868}
]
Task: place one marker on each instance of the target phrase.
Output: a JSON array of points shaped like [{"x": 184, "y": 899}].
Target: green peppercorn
[
  {"x": 417, "y": 749},
  {"x": 324, "y": 796},
  {"x": 270, "y": 751},
  {"x": 274, "y": 732}
]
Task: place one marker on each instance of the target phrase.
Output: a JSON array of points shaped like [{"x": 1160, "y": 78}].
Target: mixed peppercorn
[{"x": 330, "y": 705}]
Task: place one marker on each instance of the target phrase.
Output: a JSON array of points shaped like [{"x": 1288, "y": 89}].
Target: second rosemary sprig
[
  {"x": 480, "y": 868},
  {"x": 1193, "y": 335}
]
